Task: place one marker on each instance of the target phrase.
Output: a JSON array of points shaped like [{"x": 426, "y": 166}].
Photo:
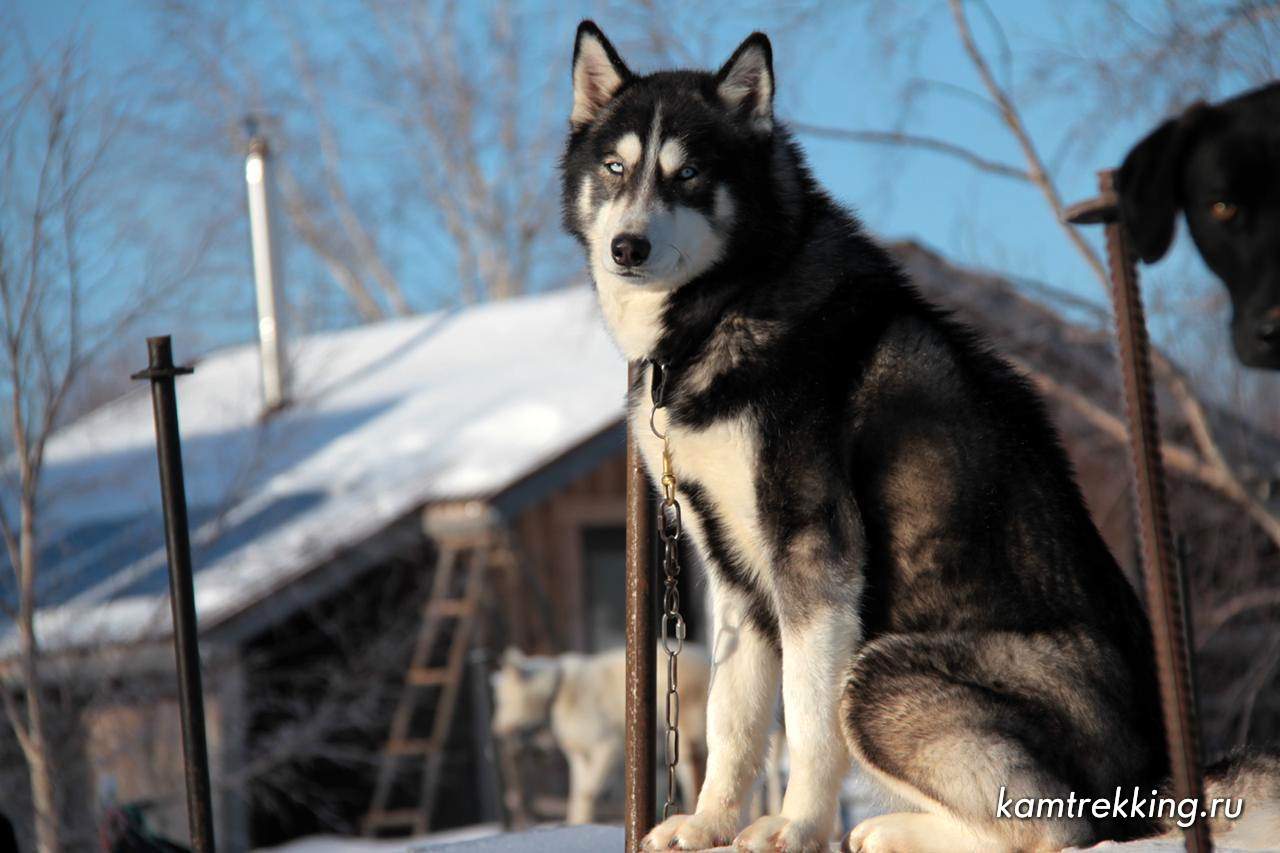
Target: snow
[
  {"x": 1153, "y": 845},
  {"x": 389, "y": 416},
  {"x": 487, "y": 839}
]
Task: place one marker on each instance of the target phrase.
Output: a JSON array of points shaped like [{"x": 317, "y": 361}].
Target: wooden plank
[
  {"x": 427, "y": 676},
  {"x": 430, "y": 629},
  {"x": 411, "y": 746},
  {"x": 386, "y": 819},
  {"x": 452, "y": 607}
]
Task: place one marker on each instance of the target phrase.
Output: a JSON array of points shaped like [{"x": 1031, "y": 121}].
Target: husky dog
[
  {"x": 892, "y": 532},
  {"x": 582, "y": 697}
]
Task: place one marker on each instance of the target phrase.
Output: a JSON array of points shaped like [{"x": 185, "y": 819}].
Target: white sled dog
[
  {"x": 582, "y": 697},
  {"x": 891, "y": 529}
]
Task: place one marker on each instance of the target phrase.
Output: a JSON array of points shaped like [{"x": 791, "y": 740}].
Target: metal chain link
[{"x": 673, "y": 627}]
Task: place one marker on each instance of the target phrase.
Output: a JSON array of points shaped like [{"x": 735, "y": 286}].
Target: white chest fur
[
  {"x": 723, "y": 459},
  {"x": 633, "y": 314}
]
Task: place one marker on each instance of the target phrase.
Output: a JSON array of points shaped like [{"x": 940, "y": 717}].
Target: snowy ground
[
  {"x": 435, "y": 841},
  {"x": 578, "y": 839},
  {"x": 475, "y": 839},
  {"x": 860, "y": 799}
]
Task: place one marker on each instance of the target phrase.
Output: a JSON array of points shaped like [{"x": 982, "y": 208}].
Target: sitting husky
[
  {"x": 891, "y": 528},
  {"x": 583, "y": 697}
]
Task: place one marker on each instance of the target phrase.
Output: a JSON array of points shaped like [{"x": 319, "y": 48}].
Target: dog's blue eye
[
  {"x": 687, "y": 173},
  {"x": 614, "y": 167}
]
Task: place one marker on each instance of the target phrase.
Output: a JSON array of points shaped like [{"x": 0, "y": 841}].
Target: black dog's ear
[
  {"x": 746, "y": 81},
  {"x": 598, "y": 74},
  {"x": 1148, "y": 183}
]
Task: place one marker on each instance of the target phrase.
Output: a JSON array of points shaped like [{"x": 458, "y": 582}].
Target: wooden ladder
[{"x": 459, "y": 567}]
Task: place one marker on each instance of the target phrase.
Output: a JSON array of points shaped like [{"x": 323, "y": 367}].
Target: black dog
[{"x": 1221, "y": 164}]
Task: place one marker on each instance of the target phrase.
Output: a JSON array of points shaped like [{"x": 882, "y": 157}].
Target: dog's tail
[{"x": 1241, "y": 801}]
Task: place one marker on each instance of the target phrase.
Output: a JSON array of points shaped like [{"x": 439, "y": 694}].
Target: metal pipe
[
  {"x": 266, "y": 276},
  {"x": 161, "y": 372},
  {"x": 1161, "y": 571},
  {"x": 641, "y": 643}
]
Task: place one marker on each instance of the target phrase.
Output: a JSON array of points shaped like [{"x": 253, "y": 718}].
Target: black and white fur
[{"x": 891, "y": 528}]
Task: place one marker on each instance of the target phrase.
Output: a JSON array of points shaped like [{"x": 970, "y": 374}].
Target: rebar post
[
  {"x": 1161, "y": 571},
  {"x": 641, "y": 644},
  {"x": 161, "y": 372}
]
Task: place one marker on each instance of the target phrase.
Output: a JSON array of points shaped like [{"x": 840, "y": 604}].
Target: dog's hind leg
[
  {"x": 914, "y": 832},
  {"x": 941, "y": 725}
]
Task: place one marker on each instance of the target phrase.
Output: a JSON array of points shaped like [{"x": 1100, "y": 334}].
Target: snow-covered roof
[
  {"x": 444, "y": 406},
  {"x": 388, "y": 417}
]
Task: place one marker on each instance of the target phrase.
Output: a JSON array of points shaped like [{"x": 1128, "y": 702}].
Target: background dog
[
  {"x": 1219, "y": 164},
  {"x": 583, "y": 699}
]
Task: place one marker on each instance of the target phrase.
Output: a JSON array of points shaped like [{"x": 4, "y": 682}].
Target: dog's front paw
[
  {"x": 777, "y": 834},
  {"x": 700, "y": 831}
]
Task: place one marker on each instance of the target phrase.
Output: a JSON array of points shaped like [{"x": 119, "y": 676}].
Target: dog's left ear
[
  {"x": 745, "y": 83},
  {"x": 1149, "y": 182},
  {"x": 598, "y": 74}
]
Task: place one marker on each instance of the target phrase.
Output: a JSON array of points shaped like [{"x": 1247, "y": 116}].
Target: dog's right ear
[
  {"x": 1148, "y": 183},
  {"x": 598, "y": 74},
  {"x": 745, "y": 82}
]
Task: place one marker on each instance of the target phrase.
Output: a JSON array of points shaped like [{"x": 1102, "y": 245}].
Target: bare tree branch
[
  {"x": 1220, "y": 614},
  {"x": 331, "y": 168},
  {"x": 910, "y": 140},
  {"x": 1012, "y": 119},
  {"x": 1214, "y": 470},
  {"x": 55, "y": 197}
]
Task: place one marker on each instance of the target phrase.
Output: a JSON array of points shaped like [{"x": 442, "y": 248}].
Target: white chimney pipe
[{"x": 266, "y": 274}]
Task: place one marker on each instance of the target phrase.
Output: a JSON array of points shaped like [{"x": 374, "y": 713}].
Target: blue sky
[{"x": 838, "y": 76}]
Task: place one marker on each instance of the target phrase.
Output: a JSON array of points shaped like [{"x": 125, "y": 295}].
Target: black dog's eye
[
  {"x": 1223, "y": 211},
  {"x": 688, "y": 173},
  {"x": 614, "y": 167}
]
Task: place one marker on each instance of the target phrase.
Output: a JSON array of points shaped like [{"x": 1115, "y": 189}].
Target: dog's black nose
[
  {"x": 1269, "y": 331},
  {"x": 630, "y": 250}
]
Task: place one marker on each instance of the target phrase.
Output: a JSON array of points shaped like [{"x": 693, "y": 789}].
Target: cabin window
[{"x": 604, "y": 552}]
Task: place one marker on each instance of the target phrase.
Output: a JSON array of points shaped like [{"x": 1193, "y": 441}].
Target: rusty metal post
[
  {"x": 161, "y": 372},
  {"x": 1160, "y": 569},
  {"x": 641, "y": 644}
]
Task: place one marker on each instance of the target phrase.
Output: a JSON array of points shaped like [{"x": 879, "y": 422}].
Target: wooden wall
[{"x": 546, "y": 607}]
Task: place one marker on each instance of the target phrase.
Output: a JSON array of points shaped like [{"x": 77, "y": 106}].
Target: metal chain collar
[{"x": 673, "y": 627}]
